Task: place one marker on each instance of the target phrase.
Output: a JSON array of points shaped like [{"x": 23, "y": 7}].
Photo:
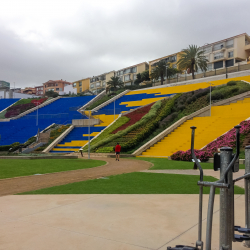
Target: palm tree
[
  {"x": 192, "y": 59},
  {"x": 159, "y": 71},
  {"x": 115, "y": 82}
]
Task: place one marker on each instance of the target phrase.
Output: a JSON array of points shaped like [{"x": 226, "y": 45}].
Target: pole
[
  {"x": 210, "y": 98},
  {"x": 247, "y": 192},
  {"x": 225, "y": 209},
  {"x": 114, "y": 109},
  {"x": 14, "y": 90},
  {"x": 89, "y": 137},
  {"x": 37, "y": 116}
]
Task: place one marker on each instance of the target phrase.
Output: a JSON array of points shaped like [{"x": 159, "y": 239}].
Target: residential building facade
[
  {"x": 99, "y": 83},
  {"x": 128, "y": 75},
  {"x": 81, "y": 85},
  {"x": 229, "y": 52},
  {"x": 56, "y": 86},
  {"x": 39, "y": 90}
]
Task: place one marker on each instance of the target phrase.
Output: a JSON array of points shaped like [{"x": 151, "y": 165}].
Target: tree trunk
[
  {"x": 192, "y": 71},
  {"x": 162, "y": 78}
]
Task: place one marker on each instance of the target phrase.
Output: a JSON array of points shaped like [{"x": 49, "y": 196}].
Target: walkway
[
  {"x": 34, "y": 182},
  {"x": 94, "y": 222}
]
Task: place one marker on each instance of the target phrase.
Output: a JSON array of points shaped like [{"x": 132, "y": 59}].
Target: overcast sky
[{"x": 43, "y": 40}]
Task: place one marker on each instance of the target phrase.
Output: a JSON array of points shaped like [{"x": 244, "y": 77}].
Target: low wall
[
  {"x": 85, "y": 122},
  {"x": 200, "y": 113},
  {"x": 57, "y": 140},
  {"x": 205, "y": 79}
]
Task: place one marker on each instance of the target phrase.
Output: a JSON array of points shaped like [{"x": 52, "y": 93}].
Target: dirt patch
[{"x": 34, "y": 182}]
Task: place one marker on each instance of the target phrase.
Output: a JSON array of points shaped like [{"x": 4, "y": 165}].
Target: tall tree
[
  {"x": 192, "y": 59},
  {"x": 115, "y": 83},
  {"x": 138, "y": 79},
  {"x": 159, "y": 71},
  {"x": 145, "y": 75}
]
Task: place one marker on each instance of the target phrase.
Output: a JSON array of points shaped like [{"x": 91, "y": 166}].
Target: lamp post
[
  {"x": 114, "y": 109},
  {"x": 210, "y": 98},
  {"x": 166, "y": 74},
  {"x": 14, "y": 90},
  {"x": 36, "y": 112},
  {"x": 90, "y": 111}
]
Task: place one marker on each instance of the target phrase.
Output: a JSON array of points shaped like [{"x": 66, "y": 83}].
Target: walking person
[
  {"x": 117, "y": 151},
  {"x": 81, "y": 151}
]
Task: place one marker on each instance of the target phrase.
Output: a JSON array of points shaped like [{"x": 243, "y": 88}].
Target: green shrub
[
  {"x": 231, "y": 83},
  {"x": 150, "y": 127},
  {"x": 118, "y": 123},
  {"x": 106, "y": 150}
]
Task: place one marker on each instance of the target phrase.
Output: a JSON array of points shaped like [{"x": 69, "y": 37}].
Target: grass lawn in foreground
[
  {"x": 12, "y": 168},
  {"x": 135, "y": 183},
  {"x": 164, "y": 163}
]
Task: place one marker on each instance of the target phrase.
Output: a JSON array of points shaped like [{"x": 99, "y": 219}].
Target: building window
[
  {"x": 209, "y": 67},
  {"x": 128, "y": 84},
  {"x": 121, "y": 78},
  {"x": 218, "y": 46},
  {"x": 126, "y": 71},
  {"x": 230, "y": 44},
  {"x": 57, "y": 89},
  {"x": 133, "y": 70},
  {"x": 74, "y": 84},
  {"x": 104, "y": 84},
  {"x": 60, "y": 89},
  {"x": 80, "y": 84},
  {"x": 92, "y": 86},
  {"x": 218, "y": 56},
  {"x": 56, "y": 84},
  {"x": 218, "y": 65},
  {"x": 134, "y": 76},
  {"x": 230, "y": 63},
  {"x": 127, "y": 78},
  {"x": 174, "y": 66},
  {"x": 98, "y": 84},
  {"x": 80, "y": 89},
  {"x": 230, "y": 54},
  {"x": 207, "y": 50}
]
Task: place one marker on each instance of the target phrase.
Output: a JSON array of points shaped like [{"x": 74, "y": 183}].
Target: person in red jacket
[{"x": 117, "y": 151}]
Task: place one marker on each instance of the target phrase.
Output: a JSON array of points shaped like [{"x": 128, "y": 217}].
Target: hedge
[
  {"x": 151, "y": 114},
  {"x": 118, "y": 123},
  {"x": 150, "y": 127}
]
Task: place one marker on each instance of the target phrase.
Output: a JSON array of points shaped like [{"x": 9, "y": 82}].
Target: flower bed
[
  {"x": 226, "y": 140},
  {"x": 134, "y": 117},
  {"x": 20, "y": 108}
]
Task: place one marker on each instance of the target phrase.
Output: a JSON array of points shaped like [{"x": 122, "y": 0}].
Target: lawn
[
  {"x": 12, "y": 168},
  {"x": 164, "y": 163},
  {"x": 135, "y": 183}
]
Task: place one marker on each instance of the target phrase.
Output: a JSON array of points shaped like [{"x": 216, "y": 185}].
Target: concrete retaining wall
[{"x": 60, "y": 138}]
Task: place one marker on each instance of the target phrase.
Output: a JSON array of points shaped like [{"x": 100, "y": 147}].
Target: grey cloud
[{"x": 96, "y": 41}]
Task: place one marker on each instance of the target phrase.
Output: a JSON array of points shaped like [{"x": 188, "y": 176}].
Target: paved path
[
  {"x": 208, "y": 172},
  {"x": 34, "y": 182},
  {"x": 113, "y": 222}
]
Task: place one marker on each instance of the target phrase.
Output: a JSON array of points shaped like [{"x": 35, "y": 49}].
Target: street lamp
[
  {"x": 166, "y": 73},
  {"x": 114, "y": 109},
  {"x": 210, "y": 98},
  {"x": 90, "y": 112}
]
